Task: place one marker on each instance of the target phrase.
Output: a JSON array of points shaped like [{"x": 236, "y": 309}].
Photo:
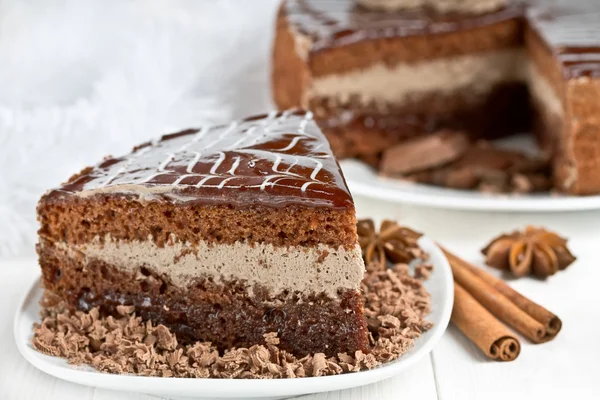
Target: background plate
[
  {"x": 439, "y": 285},
  {"x": 364, "y": 181}
]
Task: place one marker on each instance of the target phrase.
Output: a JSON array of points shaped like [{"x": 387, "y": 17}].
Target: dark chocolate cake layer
[{"x": 366, "y": 133}]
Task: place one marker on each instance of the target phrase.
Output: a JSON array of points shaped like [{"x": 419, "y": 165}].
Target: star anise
[
  {"x": 534, "y": 250},
  {"x": 393, "y": 243}
]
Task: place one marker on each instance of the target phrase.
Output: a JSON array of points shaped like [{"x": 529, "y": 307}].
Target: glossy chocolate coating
[
  {"x": 272, "y": 160},
  {"x": 335, "y": 23},
  {"x": 571, "y": 30}
]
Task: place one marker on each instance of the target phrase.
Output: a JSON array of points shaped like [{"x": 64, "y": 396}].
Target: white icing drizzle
[
  {"x": 123, "y": 169},
  {"x": 292, "y": 144},
  {"x": 288, "y": 144},
  {"x": 319, "y": 166},
  {"x": 192, "y": 164},
  {"x": 236, "y": 163}
]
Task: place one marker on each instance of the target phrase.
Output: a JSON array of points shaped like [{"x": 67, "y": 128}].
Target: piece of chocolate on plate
[
  {"x": 222, "y": 234},
  {"x": 423, "y": 153}
]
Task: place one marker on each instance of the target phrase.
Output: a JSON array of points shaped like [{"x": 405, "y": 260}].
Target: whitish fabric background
[{"x": 80, "y": 79}]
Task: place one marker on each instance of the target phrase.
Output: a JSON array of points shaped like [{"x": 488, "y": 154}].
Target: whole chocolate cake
[
  {"x": 379, "y": 72},
  {"x": 223, "y": 234}
]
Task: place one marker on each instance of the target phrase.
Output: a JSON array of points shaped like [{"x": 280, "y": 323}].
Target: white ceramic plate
[
  {"x": 364, "y": 181},
  {"x": 439, "y": 285}
]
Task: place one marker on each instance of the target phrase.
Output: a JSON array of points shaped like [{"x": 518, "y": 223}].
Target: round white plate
[
  {"x": 364, "y": 181},
  {"x": 439, "y": 285}
]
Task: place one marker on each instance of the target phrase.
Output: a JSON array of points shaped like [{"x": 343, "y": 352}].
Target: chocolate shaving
[
  {"x": 396, "y": 304},
  {"x": 424, "y": 153},
  {"x": 479, "y": 166}
]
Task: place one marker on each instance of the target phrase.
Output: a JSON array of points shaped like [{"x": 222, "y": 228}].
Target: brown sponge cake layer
[
  {"x": 320, "y": 269},
  {"x": 226, "y": 313},
  {"x": 80, "y": 220}
]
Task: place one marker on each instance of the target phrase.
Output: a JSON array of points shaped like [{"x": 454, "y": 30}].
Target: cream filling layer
[
  {"x": 143, "y": 193},
  {"x": 542, "y": 92},
  {"x": 467, "y": 6},
  {"x": 476, "y": 73},
  {"x": 307, "y": 270}
]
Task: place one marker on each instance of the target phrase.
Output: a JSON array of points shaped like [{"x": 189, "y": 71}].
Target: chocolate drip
[
  {"x": 570, "y": 28},
  {"x": 274, "y": 160},
  {"x": 340, "y": 23}
]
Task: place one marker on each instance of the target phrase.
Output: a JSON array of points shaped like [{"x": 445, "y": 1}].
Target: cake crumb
[{"x": 396, "y": 304}]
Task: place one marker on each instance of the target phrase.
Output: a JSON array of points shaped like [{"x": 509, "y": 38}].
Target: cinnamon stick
[
  {"x": 496, "y": 302},
  {"x": 551, "y": 322},
  {"x": 482, "y": 328}
]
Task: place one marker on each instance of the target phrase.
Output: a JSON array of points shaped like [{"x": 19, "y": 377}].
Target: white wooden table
[{"x": 568, "y": 367}]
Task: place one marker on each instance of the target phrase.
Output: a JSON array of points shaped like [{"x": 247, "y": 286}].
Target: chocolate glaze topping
[
  {"x": 335, "y": 23},
  {"x": 272, "y": 160},
  {"x": 571, "y": 30}
]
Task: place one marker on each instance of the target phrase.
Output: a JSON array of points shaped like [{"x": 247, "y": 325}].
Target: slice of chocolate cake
[{"x": 223, "y": 234}]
